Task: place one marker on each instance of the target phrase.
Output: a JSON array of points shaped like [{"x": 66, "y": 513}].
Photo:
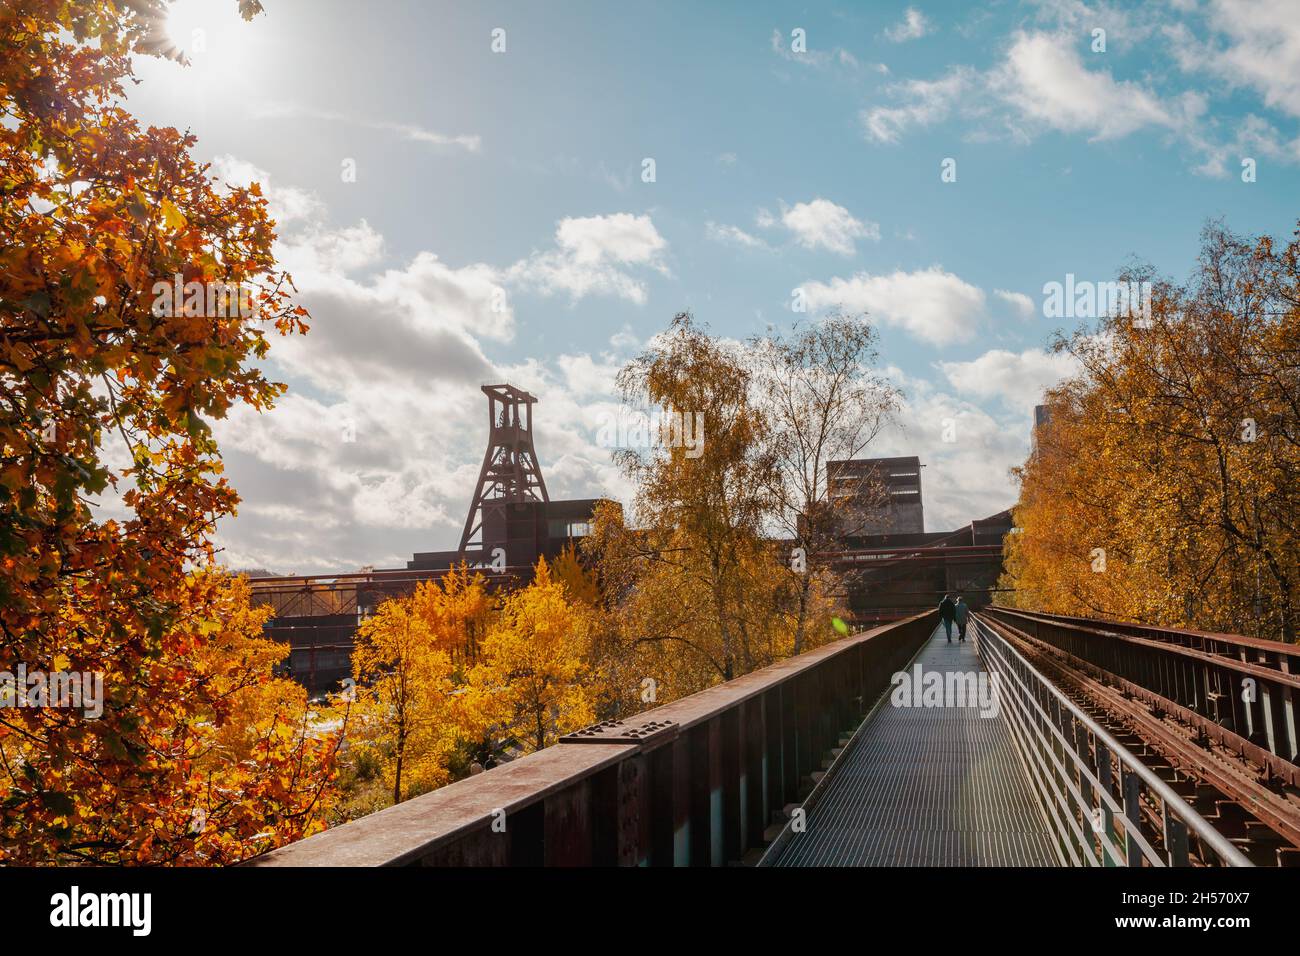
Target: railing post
[
  {"x": 789, "y": 744},
  {"x": 1133, "y": 812},
  {"x": 772, "y": 757},
  {"x": 682, "y": 796},
  {"x": 1176, "y": 840},
  {"x": 664, "y": 818},
  {"x": 706, "y": 794},
  {"x": 1083, "y": 766},
  {"x": 1106, "y": 779},
  {"x": 569, "y": 828},
  {"x": 731, "y": 764},
  {"x": 753, "y": 725},
  {"x": 805, "y": 703}
]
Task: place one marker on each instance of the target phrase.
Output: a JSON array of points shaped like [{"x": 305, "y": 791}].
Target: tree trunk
[
  {"x": 805, "y": 586},
  {"x": 401, "y": 752}
]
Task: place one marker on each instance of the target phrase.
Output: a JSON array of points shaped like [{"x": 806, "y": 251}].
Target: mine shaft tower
[{"x": 510, "y": 473}]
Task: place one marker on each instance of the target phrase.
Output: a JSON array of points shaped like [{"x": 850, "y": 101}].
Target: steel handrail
[
  {"x": 1021, "y": 731},
  {"x": 1211, "y": 837}
]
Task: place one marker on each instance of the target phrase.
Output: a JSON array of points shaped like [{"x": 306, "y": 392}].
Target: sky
[{"x": 527, "y": 193}]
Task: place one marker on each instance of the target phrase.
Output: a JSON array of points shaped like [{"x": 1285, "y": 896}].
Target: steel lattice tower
[{"x": 510, "y": 473}]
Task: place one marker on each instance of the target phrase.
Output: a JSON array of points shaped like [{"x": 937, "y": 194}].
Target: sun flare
[{"x": 187, "y": 26}]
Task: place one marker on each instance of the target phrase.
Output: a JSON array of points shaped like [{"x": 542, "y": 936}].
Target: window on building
[{"x": 563, "y": 528}]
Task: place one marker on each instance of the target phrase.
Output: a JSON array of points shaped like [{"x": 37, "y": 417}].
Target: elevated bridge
[{"x": 1043, "y": 740}]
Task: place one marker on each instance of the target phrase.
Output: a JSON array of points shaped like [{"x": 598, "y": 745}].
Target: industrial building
[
  {"x": 877, "y": 495},
  {"x": 512, "y": 521}
]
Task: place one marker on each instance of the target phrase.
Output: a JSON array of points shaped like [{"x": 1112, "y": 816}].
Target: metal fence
[
  {"x": 1239, "y": 691},
  {"x": 1105, "y": 807}
]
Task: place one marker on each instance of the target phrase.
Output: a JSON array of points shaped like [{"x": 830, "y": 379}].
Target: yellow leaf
[{"x": 174, "y": 218}]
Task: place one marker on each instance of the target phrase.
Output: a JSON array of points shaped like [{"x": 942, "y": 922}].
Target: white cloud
[
  {"x": 313, "y": 500},
  {"x": 1022, "y": 303},
  {"x": 965, "y": 478},
  {"x": 931, "y": 304},
  {"x": 913, "y": 26},
  {"x": 286, "y": 204},
  {"x": 1040, "y": 84},
  {"x": 320, "y": 250},
  {"x": 1253, "y": 137},
  {"x": 923, "y": 102},
  {"x": 469, "y": 142},
  {"x": 1126, "y": 25},
  {"x": 823, "y": 224},
  {"x": 586, "y": 377},
  {"x": 1256, "y": 45},
  {"x": 622, "y": 238},
  {"x": 811, "y": 56},
  {"x": 1046, "y": 81},
  {"x": 405, "y": 327},
  {"x": 592, "y": 257},
  {"x": 732, "y": 235},
  {"x": 624, "y": 338},
  {"x": 1018, "y": 380}
]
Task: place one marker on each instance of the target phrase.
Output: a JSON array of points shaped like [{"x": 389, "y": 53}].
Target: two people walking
[{"x": 958, "y": 611}]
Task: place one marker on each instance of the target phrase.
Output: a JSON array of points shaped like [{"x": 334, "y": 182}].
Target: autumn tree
[
  {"x": 222, "y": 761},
  {"x": 404, "y": 692},
  {"x": 701, "y": 508},
  {"x": 823, "y": 402},
  {"x": 532, "y": 681},
  {"x": 703, "y": 592},
  {"x": 99, "y": 217},
  {"x": 1165, "y": 486},
  {"x": 618, "y": 683},
  {"x": 458, "y": 610}
]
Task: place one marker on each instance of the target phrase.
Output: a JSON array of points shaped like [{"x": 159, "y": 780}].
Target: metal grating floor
[{"x": 927, "y": 786}]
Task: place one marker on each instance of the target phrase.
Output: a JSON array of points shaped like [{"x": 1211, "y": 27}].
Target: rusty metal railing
[
  {"x": 1096, "y": 796},
  {"x": 701, "y": 781},
  {"x": 1241, "y": 692}
]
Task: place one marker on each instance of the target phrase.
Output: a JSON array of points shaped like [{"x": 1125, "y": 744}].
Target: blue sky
[{"x": 519, "y": 175}]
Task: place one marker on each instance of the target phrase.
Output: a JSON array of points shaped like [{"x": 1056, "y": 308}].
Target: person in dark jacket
[
  {"x": 947, "y": 612},
  {"x": 962, "y": 611}
]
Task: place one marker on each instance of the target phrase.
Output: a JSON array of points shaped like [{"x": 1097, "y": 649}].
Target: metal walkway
[{"x": 927, "y": 786}]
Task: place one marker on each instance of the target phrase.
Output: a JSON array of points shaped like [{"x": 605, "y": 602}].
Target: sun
[
  {"x": 210, "y": 39},
  {"x": 188, "y": 27}
]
